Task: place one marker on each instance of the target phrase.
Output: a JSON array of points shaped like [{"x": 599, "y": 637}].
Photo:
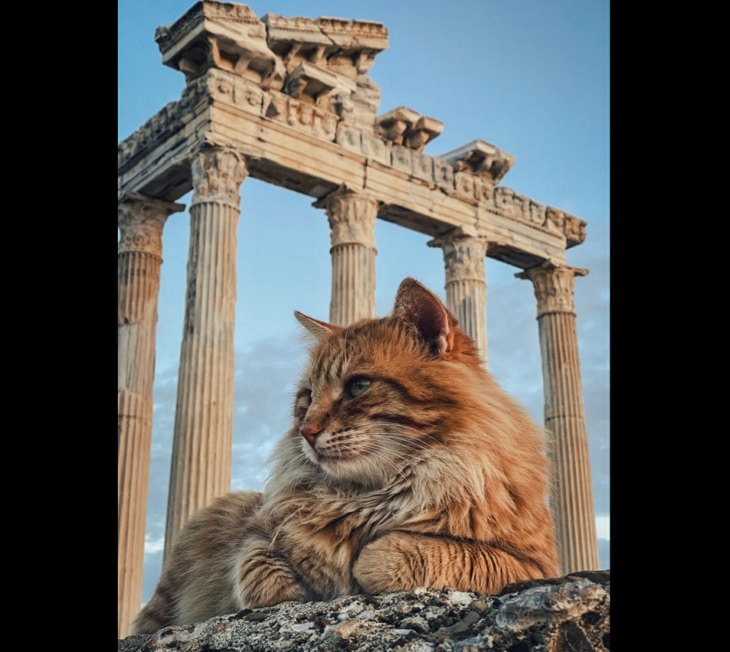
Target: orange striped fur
[{"x": 406, "y": 466}]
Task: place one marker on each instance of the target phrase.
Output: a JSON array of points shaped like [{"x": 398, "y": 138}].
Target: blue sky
[{"x": 529, "y": 76}]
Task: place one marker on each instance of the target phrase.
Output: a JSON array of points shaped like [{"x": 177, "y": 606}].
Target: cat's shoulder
[{"x": 232, "y": 505}]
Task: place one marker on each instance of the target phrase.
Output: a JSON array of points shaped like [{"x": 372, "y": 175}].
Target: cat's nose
[{"x": 310, "y": 431}]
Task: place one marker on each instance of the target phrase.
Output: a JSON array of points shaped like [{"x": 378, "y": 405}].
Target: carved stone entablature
[
  {"x": 333, "y": 52},
  {"x": 221, "y": 35},
  {"x": 518, "y": 207},
  {"x": 374, "y": 148},
  {"x": 302, "y": 115},
  {"x": 314, "y": 85},
  {"x": 443, "y": 174},
  {"x": 140, "y": 220},
  {"x": 224, "y": 86},
  {"x": 471, "y": 187},
  {"x": 216, "y": 85},
  {"x": 481, "y": 158},
  {"x": 572, "y": 227},
  {"x": 365, "y": 103},
  {"x": 404, "y": 126},
  {"x": 344, "y": 46},
  {"x": 553, "y": 285},
  {"x": 418, "y": 165},
  {"x": 218, "y": 173},
  {"x": 156, "y": 129}
]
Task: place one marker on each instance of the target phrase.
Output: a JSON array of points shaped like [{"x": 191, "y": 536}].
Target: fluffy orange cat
[{"x": 406, "y": 466}]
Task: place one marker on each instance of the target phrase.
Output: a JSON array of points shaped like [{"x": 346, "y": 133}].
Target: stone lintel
[
  {"x": 296, "y": 150},
  {"x": 221, "y": 35},
  {"x": 573, "y": 227},
  {"x": 481, "y": 158}
]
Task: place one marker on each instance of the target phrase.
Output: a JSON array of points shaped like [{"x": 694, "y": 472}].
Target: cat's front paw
[
  {"x": 264, "y": 579},
  {"x": 272, "y": 590},
  {"x": 385, "y": 565}
]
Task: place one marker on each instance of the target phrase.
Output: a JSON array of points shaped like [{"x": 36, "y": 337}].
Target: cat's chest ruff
[{"x": 339, "y": 518}]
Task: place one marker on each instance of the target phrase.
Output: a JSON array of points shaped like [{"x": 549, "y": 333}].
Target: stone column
[
  {"x": 571, "y": 498},
  {"x": 466, "y": 290},
  {"x": 140, "y": 220},
  {"x": 203, "y": 433},
  {"x": 351, "y": 218}
]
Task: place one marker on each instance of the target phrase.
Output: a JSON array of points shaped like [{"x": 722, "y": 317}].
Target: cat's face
[
  {"x": 380, "y": 394},
  {"x": 368, "y": 404}
]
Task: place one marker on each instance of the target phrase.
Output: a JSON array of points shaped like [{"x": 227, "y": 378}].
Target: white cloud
[
  {"x": 603, "y": 526},
  {"x": 153, "y": 546}
]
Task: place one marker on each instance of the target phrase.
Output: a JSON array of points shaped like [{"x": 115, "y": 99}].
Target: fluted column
[
  {"x": 351, "y": 218},
  {"x": 571, "y": 487},
  {"x": 466, "y": 290},
  {"x": 141, "y": 220},
  {"x": 203, "y": 433}
]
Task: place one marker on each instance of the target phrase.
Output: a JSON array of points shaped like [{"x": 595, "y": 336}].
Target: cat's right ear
[{"x": 320, "y": 329}]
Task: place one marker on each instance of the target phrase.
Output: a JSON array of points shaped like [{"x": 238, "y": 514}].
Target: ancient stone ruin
[{"x": 288, "y": 100}]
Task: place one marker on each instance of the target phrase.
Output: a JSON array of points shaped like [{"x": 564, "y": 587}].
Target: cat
[{"x": 406, "y": 466}]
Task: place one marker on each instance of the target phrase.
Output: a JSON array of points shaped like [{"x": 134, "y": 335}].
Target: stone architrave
[
  {"x": 571, "y": 488},
  {"x": 141, "y": 220},
  {"x": 351, "y": 218},
  {"x": 466, "y": 290},
  {"x": 203, "y": 433}
]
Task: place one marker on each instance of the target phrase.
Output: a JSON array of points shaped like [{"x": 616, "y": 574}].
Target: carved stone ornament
[
  {"x": 140, "y": 221},
  {"x": 222, "y": 35},
  {"x": 217, "y": 175},
  {"x": 554, "y": 285},
  {"x": 481, "y": 158},
  {"x": 351, "y": 217}
]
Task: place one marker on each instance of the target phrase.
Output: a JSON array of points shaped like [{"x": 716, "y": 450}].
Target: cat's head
[{"x": 378, "y": 393}]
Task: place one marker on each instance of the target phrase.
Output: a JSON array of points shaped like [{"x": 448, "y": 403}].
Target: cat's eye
[{"x": 356, "y": 386}]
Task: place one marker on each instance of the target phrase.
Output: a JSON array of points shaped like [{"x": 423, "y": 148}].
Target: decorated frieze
[
  {"x": 156, "y": 129},
  {"x": 518, "y": 207},
  {"x": 301, "y": 115}
]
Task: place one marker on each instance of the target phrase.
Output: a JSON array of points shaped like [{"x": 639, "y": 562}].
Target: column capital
[
  {"x": 554, "y": 285},
  {"x": 351, "y": 215},
  {"x": 218, "y": 173},
  {"x": 140, "y": 220},
  {"x": 464, "y": 252}
]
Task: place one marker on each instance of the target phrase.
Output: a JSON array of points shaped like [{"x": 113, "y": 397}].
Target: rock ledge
[{"x": 565, "y": 613}]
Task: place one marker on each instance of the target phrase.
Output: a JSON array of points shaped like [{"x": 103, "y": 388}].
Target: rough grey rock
[{"x": 566, "y": 613}]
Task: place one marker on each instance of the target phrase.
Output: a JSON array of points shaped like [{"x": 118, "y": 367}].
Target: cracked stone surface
[{"x": 566, "y": 613}]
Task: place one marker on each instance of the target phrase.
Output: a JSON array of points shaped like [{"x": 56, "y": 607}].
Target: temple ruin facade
[{"x": 288, "y": 101}]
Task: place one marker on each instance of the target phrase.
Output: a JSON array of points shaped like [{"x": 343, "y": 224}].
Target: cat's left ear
[
  {"x": 420, "y": 308},
  {"x": 320, "y": 329}
]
